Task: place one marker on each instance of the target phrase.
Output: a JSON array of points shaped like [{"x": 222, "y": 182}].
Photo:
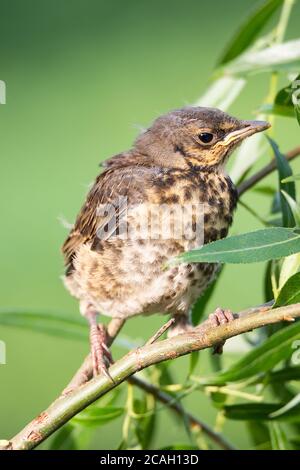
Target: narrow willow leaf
[
  {"x": 289, "y": 406},
  {"x": 261, "y": 359},
  {"x": 283, "y": 375},
  {"x": 252, "y": 247},
  {"x": 278, "y": 110},
  {"x": 278, "y": 438},
  {"x": 295, "y": 209},
  {"x": 249, "y": 30},
  {"x": 291, "y": 178},
  {"x": 267, "y": 190},
  {"x": 290, "y": 292},
  {"x": 276, "y": 204},
  {"x": 250, "y": 411},
  {"x": 194, "y": 359},
  {"x": 55, "y": 324},
  {"x": 222, "y": 93},
  {"x": 284, "y": 171},
  {"x": 285, "y": 56},
  {"x": 287, "y": 102},
  {"x": 285, "y": 96},
  {"x": 260, "y": 411},
  {"x": 289, "y": 267},
  {"x": 94, "y": 416},
  {"x": 268, "y": 291},
  {"x": 297, "y": 108},
  {"x": 145, "y": 420}
]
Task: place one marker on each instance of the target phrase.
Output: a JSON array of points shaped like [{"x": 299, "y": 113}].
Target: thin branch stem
[
  {"x": 179, "y": 410},
  {"x": 283, "y": 20},
  {"x": 161, "y": 331},
  {"x": 204, "y": 336}
]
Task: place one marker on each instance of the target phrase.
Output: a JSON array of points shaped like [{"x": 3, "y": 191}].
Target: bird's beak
[{"x": 247, "y": 128}]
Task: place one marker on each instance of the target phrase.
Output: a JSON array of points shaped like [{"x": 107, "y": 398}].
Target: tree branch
[
  {"x": 265, "y": 171},
  {"x": 193, "y": 422},
  {"x": 76, "y": 396},
  {"x": 201, "y": 337}
]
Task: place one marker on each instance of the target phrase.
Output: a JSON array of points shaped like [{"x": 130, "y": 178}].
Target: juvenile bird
[{"x": 116, "y": 253}]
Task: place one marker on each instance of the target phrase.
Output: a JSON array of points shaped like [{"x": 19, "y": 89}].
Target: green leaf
[
  {"x": 284, "y": 56},
  {"x": 64, "y": 439},
  {"x": 295, "y": 209},
  {"x": 194, "y": 359},
  {"x": 250, "y": 411},
  {"x": 284, "y": 171},
  {"x": 285, "y": 96},
  {"x": 297, "y": 109},
  {"x": 287, "y": 101},
  {"x": 249, "y": 30},
  {"x": 145, "y": 421},
  {"x": 259, "y": 432},
  {"x": 261, "y": 359},
  {"x": 291, "y": 178},
  {"x": 146, "y": 430},
  {"x": 290, "y": 292},
  {"x": 289, "y": 267},
  {"x": 276, "y": 205},
  {"x": 95, "y": 416},
  {"x": 222, "y": 93},
  {"x": 278, "y": 438},
  {"x": 260, "y": 411},
  {"x": 252, "y": 247},
  {"x": 286, "y": 408},
  {"x": 278, "y": 110},
  {"x": 266, "y": 190},
  {"x": 268, "y": 291},
  {"x": 283, "y": 375},
  {"x": 71, "y": 327}
]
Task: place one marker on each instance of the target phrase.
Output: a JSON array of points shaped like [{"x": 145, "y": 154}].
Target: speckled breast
[{"x": 216, "y": 197}]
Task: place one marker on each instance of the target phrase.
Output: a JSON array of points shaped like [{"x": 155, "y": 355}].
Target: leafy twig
[
  {"x": 204, "y": 336},
  {"x": 193, "y": 422}
]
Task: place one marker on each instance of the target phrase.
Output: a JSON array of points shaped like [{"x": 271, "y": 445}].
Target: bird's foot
[
  {"x": 101, "y": 355},
  {"x": 220, "y": 317}
]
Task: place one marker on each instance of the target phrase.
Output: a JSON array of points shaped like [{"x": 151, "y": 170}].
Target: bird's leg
[
  {"x": 101, "y": 355},
  {"x": 220, "y": 317}
]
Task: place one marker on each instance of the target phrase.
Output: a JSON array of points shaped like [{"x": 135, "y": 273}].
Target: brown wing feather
[{"x": 122, "y": 177}]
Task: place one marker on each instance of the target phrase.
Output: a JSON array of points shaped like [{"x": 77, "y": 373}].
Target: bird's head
[{"x": 195, "y": 137}]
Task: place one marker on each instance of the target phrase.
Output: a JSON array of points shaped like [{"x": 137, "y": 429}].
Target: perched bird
[{"x": 116, "y": 269}]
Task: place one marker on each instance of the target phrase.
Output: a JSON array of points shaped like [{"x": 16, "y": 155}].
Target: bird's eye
[{"x": 206, "y": 137}]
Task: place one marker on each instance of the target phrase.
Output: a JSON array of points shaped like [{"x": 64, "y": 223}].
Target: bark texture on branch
[{"x": 204, "y": 336}]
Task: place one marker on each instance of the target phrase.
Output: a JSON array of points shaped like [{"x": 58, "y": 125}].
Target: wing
[{"x": 120, "y": 179}]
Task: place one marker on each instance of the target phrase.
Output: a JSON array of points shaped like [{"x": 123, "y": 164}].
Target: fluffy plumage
[{"x": 179, "y": 160}]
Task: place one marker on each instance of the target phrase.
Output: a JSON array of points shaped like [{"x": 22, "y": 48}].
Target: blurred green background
[{"x": 82, "y": 76}]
